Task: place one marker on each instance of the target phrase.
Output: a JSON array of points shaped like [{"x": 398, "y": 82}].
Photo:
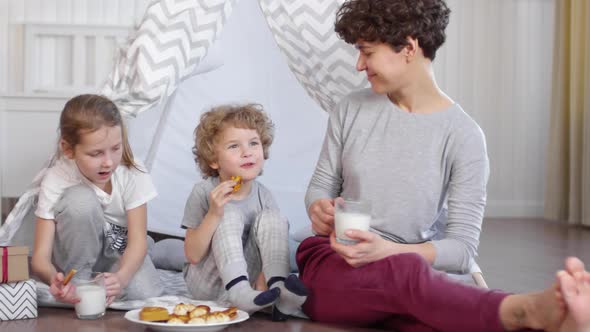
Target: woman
[{"x": 409, "y": 150}]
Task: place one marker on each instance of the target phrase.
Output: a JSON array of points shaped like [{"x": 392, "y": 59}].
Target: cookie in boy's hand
[{"x": 238, "y": 180}]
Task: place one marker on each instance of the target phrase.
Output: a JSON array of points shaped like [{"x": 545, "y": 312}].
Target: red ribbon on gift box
[{"x": 4, "y": 264}]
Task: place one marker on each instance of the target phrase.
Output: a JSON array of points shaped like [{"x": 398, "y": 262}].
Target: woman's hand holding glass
[
  {"x": 370, "y": 247},
  {"x": 321, "y": 213}
]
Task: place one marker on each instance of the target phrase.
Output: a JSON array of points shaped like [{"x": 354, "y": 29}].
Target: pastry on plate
[
  {"x": 154, "y": 314},
  {"x": 200, "y": 310}
]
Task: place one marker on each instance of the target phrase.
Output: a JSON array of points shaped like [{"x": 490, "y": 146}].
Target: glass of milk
[
  {"x": 351, "y": 215},
  {"x": 91, "y": 291}
]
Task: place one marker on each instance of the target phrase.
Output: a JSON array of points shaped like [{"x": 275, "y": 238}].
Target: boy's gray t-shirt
[
  {"x": 425, "y": 175},
  {"x": 197, "y": 204}
]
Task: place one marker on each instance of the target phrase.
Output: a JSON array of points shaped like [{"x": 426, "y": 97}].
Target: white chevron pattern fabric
[
  {"x": 323, "y": 64},
  {"x": 170, "y": 42},
  {"x": 18, "y": 300}
]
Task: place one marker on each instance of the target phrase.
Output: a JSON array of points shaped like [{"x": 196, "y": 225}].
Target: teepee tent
[
  {"x": 309, "y": 71},
  {"x": 283, "y": 55},
  {"x": 188, "y": 55}
]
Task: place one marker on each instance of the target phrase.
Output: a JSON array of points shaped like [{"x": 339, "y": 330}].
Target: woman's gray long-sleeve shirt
[{"x": 425, "y": 175}]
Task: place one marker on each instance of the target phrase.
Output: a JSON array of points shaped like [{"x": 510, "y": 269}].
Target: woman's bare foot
[
  {"x": 543, "y": 311},
  {"x": 575, "y": 291}
]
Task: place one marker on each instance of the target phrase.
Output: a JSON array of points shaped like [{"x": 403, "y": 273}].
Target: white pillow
[{"x": 168, "y": 254}]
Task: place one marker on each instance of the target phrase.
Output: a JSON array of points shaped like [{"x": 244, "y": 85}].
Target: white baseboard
[{"x": 513, "y": 208}]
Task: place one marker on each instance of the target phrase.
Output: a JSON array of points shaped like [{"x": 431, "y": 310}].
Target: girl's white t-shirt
[{"x": 130, "y": 188}]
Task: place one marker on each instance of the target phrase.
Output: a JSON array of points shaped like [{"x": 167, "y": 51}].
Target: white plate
[{"x": 133, "y": 316}]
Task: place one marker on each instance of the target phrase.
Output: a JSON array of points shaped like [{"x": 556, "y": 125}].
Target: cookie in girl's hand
[{"x": 69, "y": 276}]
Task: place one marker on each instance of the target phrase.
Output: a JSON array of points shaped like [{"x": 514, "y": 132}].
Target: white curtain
[{"x": 567, "y": 191}]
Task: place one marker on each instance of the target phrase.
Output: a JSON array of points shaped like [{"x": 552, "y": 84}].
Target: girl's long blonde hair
[{"x": 88, "y": 113}]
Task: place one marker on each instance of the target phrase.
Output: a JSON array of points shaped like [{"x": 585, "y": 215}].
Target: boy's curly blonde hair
[{"x": 212, "y": 123}]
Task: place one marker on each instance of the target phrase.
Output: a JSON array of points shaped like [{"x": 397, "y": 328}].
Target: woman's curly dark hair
[{"x": 392, "y": 21}]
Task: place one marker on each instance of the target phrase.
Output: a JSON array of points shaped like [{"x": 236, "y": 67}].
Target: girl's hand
[
  {"x": 370, "y": 248},
  {"x": 321, "y": 213},
  {"x": 219, "y": 196},
  {"x": 65, "y": 294},
  {"x": 113, "y": 285}
]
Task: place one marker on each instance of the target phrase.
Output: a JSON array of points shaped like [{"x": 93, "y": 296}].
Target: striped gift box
[{"x": 18, "y": 300}]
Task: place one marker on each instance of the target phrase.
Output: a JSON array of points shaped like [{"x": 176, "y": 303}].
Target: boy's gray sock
[
  {"x": 245, "y": 298},
  {"x": 293, "y": 293}
]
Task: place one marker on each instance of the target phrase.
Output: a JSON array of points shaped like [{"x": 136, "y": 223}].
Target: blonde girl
[{"x": 91, "y": 212}]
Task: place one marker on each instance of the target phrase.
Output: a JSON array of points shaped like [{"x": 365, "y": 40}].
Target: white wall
[
  {"x": 28, "y": 119},
  {"x": 13, "y": 13},
  {"x": 496, "y": 64}
]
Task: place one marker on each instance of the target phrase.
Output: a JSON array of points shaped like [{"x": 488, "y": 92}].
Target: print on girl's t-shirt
[{"x": 117, "y": 236}]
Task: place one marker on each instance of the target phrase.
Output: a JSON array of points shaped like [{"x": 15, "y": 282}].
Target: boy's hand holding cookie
[{"x": 222, "y": 194}]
